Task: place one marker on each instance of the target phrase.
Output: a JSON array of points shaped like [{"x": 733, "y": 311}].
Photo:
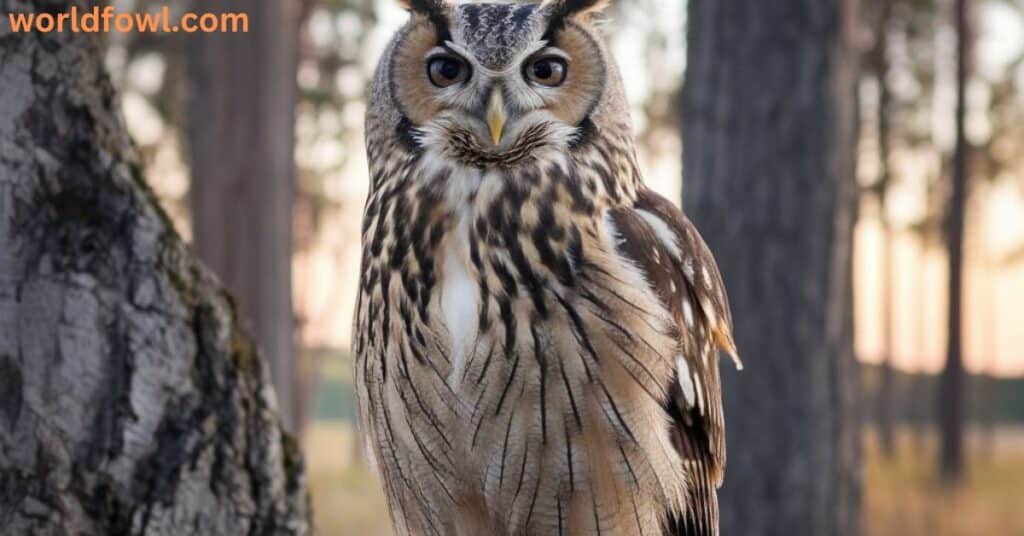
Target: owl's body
[{"x": 537, "y": 334}]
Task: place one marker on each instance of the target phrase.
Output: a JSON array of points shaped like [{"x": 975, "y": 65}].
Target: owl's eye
[
  {"x": 548, "y": 71},
  {"x": 444, "y": 71}
]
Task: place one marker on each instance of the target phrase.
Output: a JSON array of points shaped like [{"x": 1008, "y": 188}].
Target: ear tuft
[
  {"x": 423, "y": 7},
  {"x": 577, "y": 8},
  {"x": 434, "y": 10}
]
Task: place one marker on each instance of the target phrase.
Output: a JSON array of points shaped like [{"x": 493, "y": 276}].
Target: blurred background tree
[
  {"x": 769, "y": 134},
  {"x": 951, "y": 401},
  {"x": 877, "y": 14},
  {"x": 241, "y": 136}
]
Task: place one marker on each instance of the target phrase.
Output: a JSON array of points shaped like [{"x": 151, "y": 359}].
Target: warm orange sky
[{"x": 993, "y": 292}]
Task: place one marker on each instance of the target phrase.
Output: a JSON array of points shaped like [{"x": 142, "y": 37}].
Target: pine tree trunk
[
  {"x": 880, "y": 61},
  {"x": 130, "y": 403},
  {"x": 951, "y": 397},
  {"x": 241, "y": 138},
  {"x": 921, "y": 413},
  {"x": 886, "y": 400},
  {"x": 770, "y": 130}
]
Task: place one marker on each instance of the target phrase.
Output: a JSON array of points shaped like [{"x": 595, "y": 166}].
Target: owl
[{"x": 537, "y": 334}]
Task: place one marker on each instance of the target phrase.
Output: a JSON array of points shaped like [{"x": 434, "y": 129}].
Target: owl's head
[{"x": 488, "y": 84}]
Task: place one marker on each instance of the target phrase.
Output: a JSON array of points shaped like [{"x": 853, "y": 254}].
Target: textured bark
[
  {"x": 130, "y": 403},
  {"x": 951, "y": 393},
  {"x": 770, "y": 129},
  {"x": 241, "y": 138}
]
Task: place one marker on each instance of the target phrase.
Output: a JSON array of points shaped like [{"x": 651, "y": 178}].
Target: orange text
[{"x": 107, "y": 19}]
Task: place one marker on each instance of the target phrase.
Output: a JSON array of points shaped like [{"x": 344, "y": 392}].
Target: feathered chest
[
  {"x": 471, "y": 244},
  {"x": 503, "y": 249},
  {"x": 522, "y": 355}
]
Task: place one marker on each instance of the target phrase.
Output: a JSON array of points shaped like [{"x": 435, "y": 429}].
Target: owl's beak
[{"x": 496, "y": 116}]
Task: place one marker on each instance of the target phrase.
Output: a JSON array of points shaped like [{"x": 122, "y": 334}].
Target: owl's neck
[{"x": 593, "y": 170}]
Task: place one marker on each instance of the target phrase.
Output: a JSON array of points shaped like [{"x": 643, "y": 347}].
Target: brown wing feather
[{"x": 677, "y": 263}]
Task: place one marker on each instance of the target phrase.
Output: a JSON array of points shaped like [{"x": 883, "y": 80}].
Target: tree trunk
[
  {"x": 880, "y": 64},
  {"x": 886, "y": 400},
  {"x": 988, "y": 401},
  {"x": 130, "y": 403},
  {"x": 951, "y": 397},
  {"x": 241, "y": 138},
  {"x": 770, "y": 131},
  {"x": 921, "y": 413}
]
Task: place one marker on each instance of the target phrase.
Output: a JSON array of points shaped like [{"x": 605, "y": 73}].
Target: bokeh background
[{"x": 907, "y": 115}]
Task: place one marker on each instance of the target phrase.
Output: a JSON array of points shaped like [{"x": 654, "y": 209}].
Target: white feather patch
[
  {"x": 688, "y": 269},
  {"x": 459, "y": 301},
  {"x": 662, "y": 231},
  {"x": 688, "y": 312},
  {"x": 698, "y": 393},
  {"x": 685, "y": 382}
]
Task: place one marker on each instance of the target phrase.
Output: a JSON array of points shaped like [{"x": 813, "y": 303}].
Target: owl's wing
[{"x": 667, "y": 249}]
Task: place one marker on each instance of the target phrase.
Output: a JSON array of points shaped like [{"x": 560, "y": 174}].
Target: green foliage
[
  {"x": 335, "y": 400},
  {"x": 989, "y": 399}
]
